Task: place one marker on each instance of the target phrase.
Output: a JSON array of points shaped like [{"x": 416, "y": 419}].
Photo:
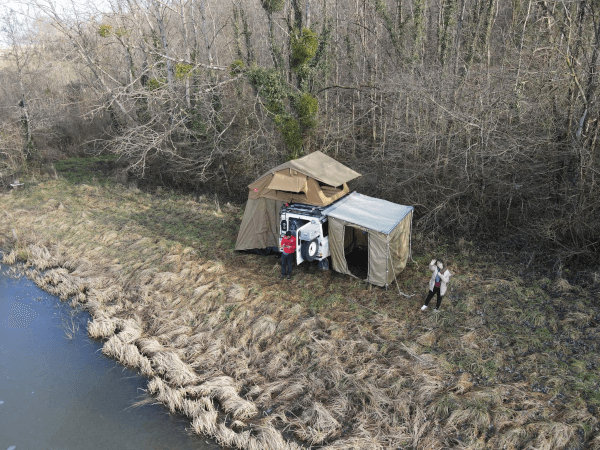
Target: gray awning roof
[{"x": 369, "y": 212}]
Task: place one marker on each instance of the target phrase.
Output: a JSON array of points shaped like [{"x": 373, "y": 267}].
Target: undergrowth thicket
[{"x": 327, "y": 361}]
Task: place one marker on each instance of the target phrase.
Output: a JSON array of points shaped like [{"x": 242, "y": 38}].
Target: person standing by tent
[
  {"x": 288, "y": 244},
  {"x": 437, "y": 284}
]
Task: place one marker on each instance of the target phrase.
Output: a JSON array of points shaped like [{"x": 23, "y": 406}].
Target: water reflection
[{"x": 57, "y": 390}]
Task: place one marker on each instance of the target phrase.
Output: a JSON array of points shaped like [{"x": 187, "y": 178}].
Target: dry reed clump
[
  {"x": 128, "y": 355},
  {"x": 195, "y": 407},
  {"x": 168, "y": 281},
  {"x": 102, "y": 327},
  {"x": 214, "y": 267},
  {"x": 130, "y": 330},
  {"x": 464, "y": 383},
  {"x": 263, "y": 329},
  {"x": 429, "y": 387},
  {"x": 427, "y": 339},
  {"x": 578, "y": 319},
  {"x": 239, "y": 408},
  {"x": 225, "y": 390},
  {"x": 201, "y": 290},
  {"x": 145, "y": 366},
  {"x": 40, "y": 257},
  {"x": 468, "y": 339},
  {"x": 236, "y": 364},
  {"x": 171, "y": 398},
  {"x": 475, "y": 417},
  {"x": 204, "y": 358},
  {"x": 562, "y": 286},
  {"x": 227, "y": 437},
  {"x": 170, "y": 334},
  {"x": 279, "y": 366},
  {"x": 553, "y": 435},
  {"x": 58, "y": 282},
  {"x": 595, "y": 443},
  {"x": 78, "y": 299},
  {"x": 236, "y": 293},
  {"x": 9, "y": 258},
  {"x": 267, "y": 392},
  {"x": 149, "y": 346},
  {"x": 238, "y": 424},
  {"x": 353, "y": 443},
  {"x": 111, "y": 293},
  {"x": 205, "y": 423},
  {"x": 268, "y": 438},
  {"x": 170, "y": 365},
  {"x": 320, "y": 425}
]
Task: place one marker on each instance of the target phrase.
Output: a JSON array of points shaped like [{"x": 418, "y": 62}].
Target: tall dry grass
[{"x": 255, "y": 366}]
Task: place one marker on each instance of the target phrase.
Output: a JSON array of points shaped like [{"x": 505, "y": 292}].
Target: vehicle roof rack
[{"x": 300, "y": 208}]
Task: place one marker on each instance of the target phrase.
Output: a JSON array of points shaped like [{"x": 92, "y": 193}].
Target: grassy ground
[{"x": 325, "y": 360}]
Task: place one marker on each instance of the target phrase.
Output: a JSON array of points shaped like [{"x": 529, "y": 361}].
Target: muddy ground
[{"x": 325, "y": 360}]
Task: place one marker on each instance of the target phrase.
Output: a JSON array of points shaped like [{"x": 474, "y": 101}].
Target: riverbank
[
  {"x": 324, "y": 359},
  {"x": 58, "y": 392}
]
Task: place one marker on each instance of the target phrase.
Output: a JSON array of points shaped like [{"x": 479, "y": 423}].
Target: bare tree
[{"x": 18, "y": 56}]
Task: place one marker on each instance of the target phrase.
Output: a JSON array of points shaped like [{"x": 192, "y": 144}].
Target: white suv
[{"x": 310, "y": 227}]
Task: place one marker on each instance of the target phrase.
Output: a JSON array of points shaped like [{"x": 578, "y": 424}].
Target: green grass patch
[{"x": 93, "y": 169}]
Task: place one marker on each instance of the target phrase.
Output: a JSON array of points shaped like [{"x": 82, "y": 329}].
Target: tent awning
[{"x": 369, "y": 212}]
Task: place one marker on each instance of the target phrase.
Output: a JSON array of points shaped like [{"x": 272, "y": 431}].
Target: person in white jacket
[{"x": 437, "y": 284}]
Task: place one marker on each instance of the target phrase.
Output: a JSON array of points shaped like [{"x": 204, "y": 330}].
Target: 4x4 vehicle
[{"x": 309, "y": 225}]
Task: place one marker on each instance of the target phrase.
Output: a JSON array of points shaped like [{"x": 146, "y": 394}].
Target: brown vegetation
[
  {"x": 483, "y": 114},
  {"x": 325, "y": 360}
]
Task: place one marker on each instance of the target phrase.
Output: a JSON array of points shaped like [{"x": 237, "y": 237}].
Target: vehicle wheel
[
  {"x": 310, "y": 249},
  {"x": 324, "y": 264}
]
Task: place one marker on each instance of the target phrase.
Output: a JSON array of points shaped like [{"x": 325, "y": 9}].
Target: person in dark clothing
[
  {"x": 288, "y": 245},
  {"x": 437, "y": 284}
]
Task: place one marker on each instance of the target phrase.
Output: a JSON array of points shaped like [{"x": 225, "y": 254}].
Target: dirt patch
[{"x": 322, "y": 360}]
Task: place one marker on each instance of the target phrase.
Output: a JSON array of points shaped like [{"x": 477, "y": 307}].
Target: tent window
[{"x": 356, "y": 251}]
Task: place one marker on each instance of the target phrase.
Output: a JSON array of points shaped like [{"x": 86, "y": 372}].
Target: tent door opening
[{"x": 356, "y": 251}]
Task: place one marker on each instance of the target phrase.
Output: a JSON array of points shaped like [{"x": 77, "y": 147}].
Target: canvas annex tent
[
  {"x": 315, "y": 179},
  {"x": 381, "y": 229}
]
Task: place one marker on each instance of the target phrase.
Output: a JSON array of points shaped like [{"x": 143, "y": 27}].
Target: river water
[{"x": 59, "y": 392}]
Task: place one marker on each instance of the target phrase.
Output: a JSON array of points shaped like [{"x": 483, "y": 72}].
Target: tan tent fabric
[
  {"x": 260, "y": 225},
  {"x": 316, "y": 165},
  {"x": 321, "y": 167},
  {"x": 400, "y": 244},
  {"x": 315, "y": 179},
  {"x": 259, "y": 187},
  {"x": 378, "y": 261},
  {"x": 283, "y": 181},
  {"x": 313, "y": 193},
  {"x": 336, "y": 246}
]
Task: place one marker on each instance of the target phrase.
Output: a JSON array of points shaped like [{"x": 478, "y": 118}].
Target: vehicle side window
[
  {"x": 296, "y": 223},
  {"x": 326, "y": 228}
]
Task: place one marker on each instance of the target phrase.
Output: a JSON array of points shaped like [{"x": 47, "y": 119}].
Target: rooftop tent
[
  {"x": 378, "y": 227},
  {"x": 315, "y": 179}
]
